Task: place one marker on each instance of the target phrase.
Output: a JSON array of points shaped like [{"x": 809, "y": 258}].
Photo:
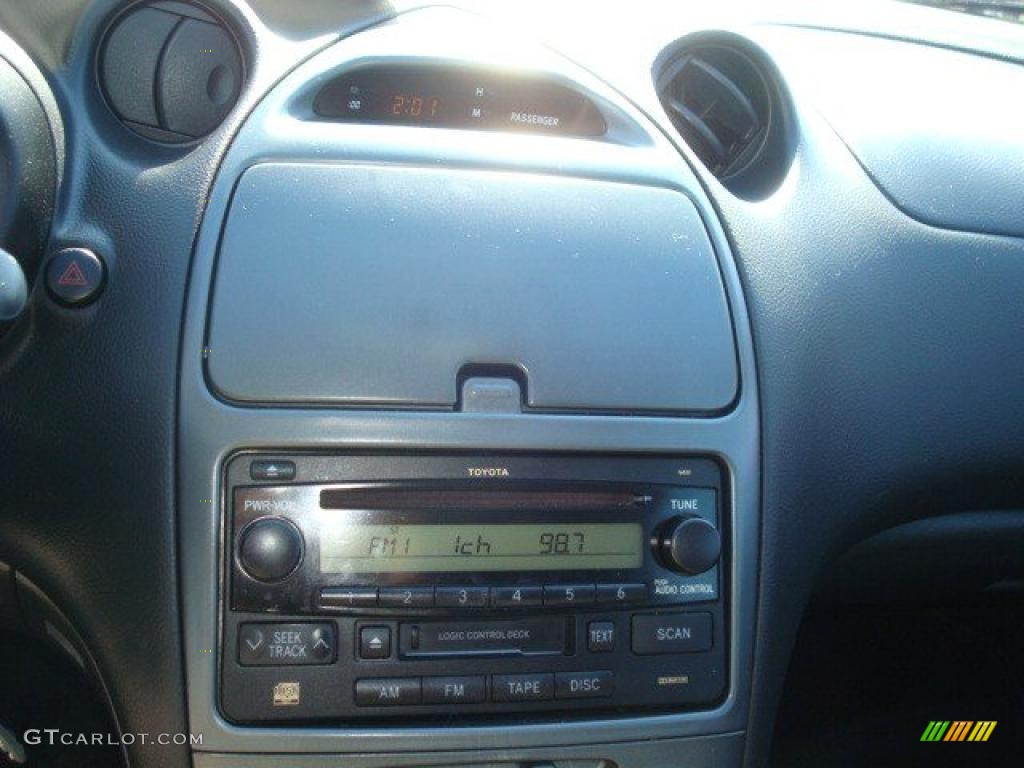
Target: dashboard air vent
[
  {"x": 719, "y": 101},
  {"x": 170, "y": 71}
]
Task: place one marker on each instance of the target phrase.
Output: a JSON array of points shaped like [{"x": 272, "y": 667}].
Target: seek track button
[{"x": 285, "y": 645}]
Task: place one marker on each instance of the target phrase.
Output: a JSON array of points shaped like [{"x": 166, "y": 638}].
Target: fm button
[{"x": 454, "y": 690}]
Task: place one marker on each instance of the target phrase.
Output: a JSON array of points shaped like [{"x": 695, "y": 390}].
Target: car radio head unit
[
  {"x": 299, "y": 547},
  {"x": 383, "y": 577}
]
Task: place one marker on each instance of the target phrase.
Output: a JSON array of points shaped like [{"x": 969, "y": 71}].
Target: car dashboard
[{"x": 399, "y": 384}]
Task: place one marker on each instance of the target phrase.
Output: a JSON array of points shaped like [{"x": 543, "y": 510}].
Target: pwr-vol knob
[
  {"x": 271, "y": 549},
  {"x": 690, "y": 544}
]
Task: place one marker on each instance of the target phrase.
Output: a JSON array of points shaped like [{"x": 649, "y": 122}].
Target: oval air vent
[{"x": 718, "y": 101}]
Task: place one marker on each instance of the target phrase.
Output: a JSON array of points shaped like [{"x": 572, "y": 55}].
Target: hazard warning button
[{"x": 74, "y": 276}]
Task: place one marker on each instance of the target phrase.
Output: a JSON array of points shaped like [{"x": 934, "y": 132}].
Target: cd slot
[{"x": 424, "y": 499}]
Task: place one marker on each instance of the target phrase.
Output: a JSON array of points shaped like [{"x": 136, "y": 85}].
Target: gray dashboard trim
[
  {"x": 210, "y": 430},
  {"x": 708, "y": 752}
]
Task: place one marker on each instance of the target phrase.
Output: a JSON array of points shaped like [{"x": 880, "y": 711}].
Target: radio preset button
[
  {"x": 388, "y": 692},
  {"x": 671, "y": 633},
  {"x": 584, "y": 685},
  {"x": 516, "y": 597},
  {"x": 568, "y": 594},
  {"x": 374, "y": 642},
  {"x": 462, "y": 597},
  {"x": 406, "y": 597},
  {"x": 621, "y": 593},
  {"x": 600, "y": 636},
  {"x": 335, "y": 598},
  {"x": 454, "y": 690},
  {"x": 539, "y": 687}
]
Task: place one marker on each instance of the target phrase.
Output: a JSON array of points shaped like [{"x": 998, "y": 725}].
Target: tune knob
[
  {"x": 690, "y": 544},
  {"x": 271, "y": 549}
]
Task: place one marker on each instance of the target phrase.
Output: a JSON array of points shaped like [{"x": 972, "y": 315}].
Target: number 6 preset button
[
  {"x": 621, "y": 593},
  {"x": 516, "y": 597},
  {"x": 568, "y": 594}
]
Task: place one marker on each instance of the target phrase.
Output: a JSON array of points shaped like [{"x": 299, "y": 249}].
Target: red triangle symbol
[{"x": 73, "y": 275}]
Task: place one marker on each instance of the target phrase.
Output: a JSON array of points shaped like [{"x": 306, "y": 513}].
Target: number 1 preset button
[
  {"x": 348, "y": 597},
  {"x": 568, "y": 594},
  {"x": 516, "y": 597}
]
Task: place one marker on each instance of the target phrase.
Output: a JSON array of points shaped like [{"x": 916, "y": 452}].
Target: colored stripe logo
[{"x": 958, "y": 730}]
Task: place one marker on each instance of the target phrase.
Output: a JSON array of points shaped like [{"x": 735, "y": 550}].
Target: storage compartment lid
[{"x": 377, "y": 285}]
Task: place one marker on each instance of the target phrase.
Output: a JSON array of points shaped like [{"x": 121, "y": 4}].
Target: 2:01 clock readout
[{"x": 414, "y": 106}]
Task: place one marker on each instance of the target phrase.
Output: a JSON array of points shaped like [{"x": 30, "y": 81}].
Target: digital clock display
[
  {"x": 470, "y": 547},
  {"x": 409, "y": 105},
  {"x": 456, "y": 97}
]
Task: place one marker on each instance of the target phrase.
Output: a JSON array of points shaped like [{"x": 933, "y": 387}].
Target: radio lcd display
[{"x": 359, "y": 548}]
